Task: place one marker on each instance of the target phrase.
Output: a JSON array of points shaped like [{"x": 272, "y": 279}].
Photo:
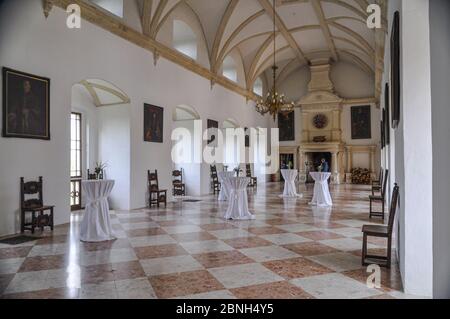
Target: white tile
[
  {"x": 296, "y": 228},
  {"x": 206, "y": 246},
  {"x": 244, "y": 275},
  {"x": 285, "y": 239},
  {"x": 345, "y": 244},
  {"x": 334, "y": 286},
  {"x": 151, "y": 241},
  {"x": 106, "y": 290},
  {"x": 138, "y": 288},
  {"x": 338, "y": 262},
  {"x": 10, "y": 266},
  {"x": 107, "y": 256},
  {"x": 268, "y": 253},
  {"x": 219, "y": 294},
  {"x": 49, "y": 250},
  {"x": 205, "y": 220},
  {"x": 168, "y": 265},
  {"x": 245, "y": 224},
  {"x": 183, "y": 229},
  {"x": 40, "y": 280},
  {"x": 165, "y": 218},
  {"x": 28, "y": 281},
  {"x": 231, "y": 233},
  {"x": 347, "y": 231},
  {"x": 401, "y": 295}
]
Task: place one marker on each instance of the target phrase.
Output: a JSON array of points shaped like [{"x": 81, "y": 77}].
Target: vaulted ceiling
[{"x": 306, "y": 30}]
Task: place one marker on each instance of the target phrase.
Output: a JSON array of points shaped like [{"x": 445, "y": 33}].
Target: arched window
[
  {"x": 185, "y": 113},
  {"x": 229, "y": 69},
  {"x": 184, "y": 39},
  {"x": 258, "y": 87},
  {"x": 113, "y": 6}
]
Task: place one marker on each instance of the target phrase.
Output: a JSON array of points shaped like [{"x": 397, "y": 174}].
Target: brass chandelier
[{"x": 275, "y": 102}]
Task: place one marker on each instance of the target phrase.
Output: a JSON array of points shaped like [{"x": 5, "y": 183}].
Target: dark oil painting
[
  {"x": 26, "y": 105},
  {"x": 361, "y": 122},
  {"x": 213, "y": 127},
  {"x": 286, "y": 125},
  {"x": 153, "y": 123}
]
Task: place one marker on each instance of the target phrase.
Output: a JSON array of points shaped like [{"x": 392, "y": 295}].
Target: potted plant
[{"x": 99, "y": 169}]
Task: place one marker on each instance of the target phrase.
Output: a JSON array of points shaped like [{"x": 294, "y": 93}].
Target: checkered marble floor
[{"x": 187, "y": 250}]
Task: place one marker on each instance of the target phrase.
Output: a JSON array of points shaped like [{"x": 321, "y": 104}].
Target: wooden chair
[
  {"x": 253, "y": 180},
  {"x": 179, "y": 188},
  {"x": 215, "y": 184},
  {"x": 384, "y": 231},
  {"x": 34, "y": 206},
  {"x": 376, "y": 185},
  {"x": 379, "y": 198},
  {"x": 156, "y": 195}
]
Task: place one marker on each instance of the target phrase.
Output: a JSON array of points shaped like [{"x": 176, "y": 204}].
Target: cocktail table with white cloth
[
  {"x": 224, "y": 190},
  {"x": 322, "y": 195},
  {"x": 96, "y": 223},
  {"x": 290, "y": 190},
  {"x": 238, "y": 200}
]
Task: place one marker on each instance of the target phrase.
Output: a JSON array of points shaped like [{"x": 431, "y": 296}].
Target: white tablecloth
[
  {"x": 322, "y": 195},
  {"x": 238, "y": 200},
  {"x": 224, "y": 190},
  {"x": 290, "y": 190},
  {"x": 96, "y": 224}
]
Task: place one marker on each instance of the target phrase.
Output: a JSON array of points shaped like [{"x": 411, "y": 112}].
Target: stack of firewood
[{"x": 361, "y": 176}]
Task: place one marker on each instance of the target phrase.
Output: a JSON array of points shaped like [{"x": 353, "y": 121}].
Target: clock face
[{"x": 320, "y": 121}]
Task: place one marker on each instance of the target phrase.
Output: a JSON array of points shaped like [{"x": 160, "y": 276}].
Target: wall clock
[{"x": 320, "y": 121}]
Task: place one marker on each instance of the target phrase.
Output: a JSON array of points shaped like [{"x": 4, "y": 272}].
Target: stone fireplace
[{"x": 321, "y": 111}]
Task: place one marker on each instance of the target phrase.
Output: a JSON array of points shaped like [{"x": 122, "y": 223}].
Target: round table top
[
  {"x": 228, "y": 174},
  {"x": 320, "y": 175},
  {"x": 97, "y": 181}
]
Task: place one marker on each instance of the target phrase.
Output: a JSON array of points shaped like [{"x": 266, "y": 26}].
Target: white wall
[
  {"x": 418, "y": 201},
  {"x": 30, "y": 43},
  {"x": 114, "y": 151},
  {"x": 440, "y": 97},
  {"x": 410, "y": 154},
  {"x": 191, "y": 170}
]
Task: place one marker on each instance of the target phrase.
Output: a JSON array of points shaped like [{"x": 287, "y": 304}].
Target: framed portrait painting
[
  {"x": 26, "y": 105},
  {"x": 213, "y": 128},
  {"x": 361, "y": 122},
  {"x": 395, "y": 71},
  {"x": 286, "y": 126},
  {"x": 153, "y": 123}
]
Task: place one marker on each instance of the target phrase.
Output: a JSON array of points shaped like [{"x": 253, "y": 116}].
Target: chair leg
[
  {"x": 51, "y": 219},
  {"x": 33, "y": 221},
  {"x": 364, "y": 250},
  {"x": 389, "y": 252},
  {"x": 382, "y": 205},
  {"x": 370, "y": 214},
  {"x": 22, "y": 221}
]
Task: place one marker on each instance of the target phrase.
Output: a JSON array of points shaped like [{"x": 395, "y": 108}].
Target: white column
[
  {"x": 349, "y": 160},
  {"x": 334, "y": 163},
  {"x": 301, "y": 162},
  {"x": 416, "y": 218},
  {"x": 372, "y": 161}
]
